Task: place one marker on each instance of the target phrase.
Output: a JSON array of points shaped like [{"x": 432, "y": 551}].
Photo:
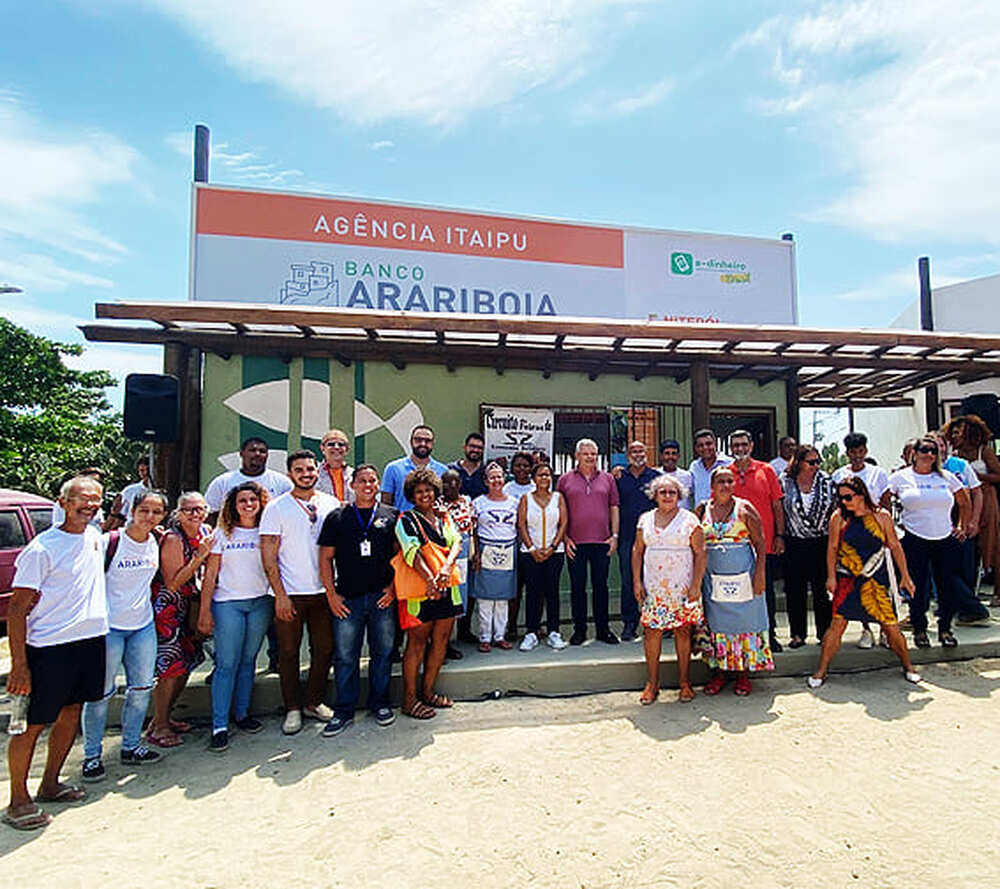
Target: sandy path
[{"x": 868, "y": 782}]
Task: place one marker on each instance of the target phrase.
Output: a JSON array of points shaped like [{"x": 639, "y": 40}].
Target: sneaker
[
  {"x": 529, "y": 642},
  {"x": 607, "y": 637},
  {"x": 320, "y": 712},
  {"x": 946, "y": 639},
  {"x": 293, "y": 722},
  {"x": 578, "y": 637},
  {"x": 272, "y": 665},
  {"x": 384, "y": 716},
  {"x": 93, "y": 770},
  {"x": 555, "y": 640},
  {"x": 219, "y": 741},
  {"x": 867, "y": 639},
  {"x": 776, "y": 646},
  {"x": 336, "y": 725},
  {"x": 140, "y": 756},
  {"x": 249, "y": 725},
  {"x": 921, "y": 640},
  {"x": 629, "y": 634}
]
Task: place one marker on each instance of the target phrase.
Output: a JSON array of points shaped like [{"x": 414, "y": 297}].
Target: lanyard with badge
[{"x": 366, "y": 544}]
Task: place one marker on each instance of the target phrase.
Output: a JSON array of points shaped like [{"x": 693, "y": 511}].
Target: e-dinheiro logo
[{"x": 730, "y": 271}]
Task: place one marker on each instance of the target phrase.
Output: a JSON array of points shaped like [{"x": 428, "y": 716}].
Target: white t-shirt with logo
[
  {"x": 876, "y": 479},
  {"x": 516, "y": 490},
  {"x": 927, "y": 501},
  {"x": 275, "y": 483},
  {"x": 241, "y": 572},
  {"x": 128, "y": 580},
  {"x": 496, "y": 519},
  {"x": 287, "y": 517},
  {"x": 68, "y": 572}
]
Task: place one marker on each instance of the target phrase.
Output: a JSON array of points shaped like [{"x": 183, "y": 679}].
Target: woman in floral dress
[
  {"x": 733, "y": 587},
  {"x": 668, "y": 562}
]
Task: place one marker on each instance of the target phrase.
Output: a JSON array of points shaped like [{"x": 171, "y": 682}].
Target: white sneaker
[
  {"x": 867, "y": 640},
  {"x": 529, "y": 642},
  {"x": 320, "y": 712},
  {"x": 293, "y": 722},
  {"x": 555, "y": 641}
]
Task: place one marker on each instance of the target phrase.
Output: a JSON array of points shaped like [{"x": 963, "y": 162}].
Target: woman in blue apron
[
  {"x": 494, "y": 563},
  {"x": 733, "y": 587}
]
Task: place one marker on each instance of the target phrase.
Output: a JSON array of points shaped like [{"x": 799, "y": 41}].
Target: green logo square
[{"x": 681, "y": 264}]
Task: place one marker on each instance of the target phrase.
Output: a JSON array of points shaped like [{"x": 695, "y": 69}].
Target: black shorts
[{"x": 70, "y": 673}]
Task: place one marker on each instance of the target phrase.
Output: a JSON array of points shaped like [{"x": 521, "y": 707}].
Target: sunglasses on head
[{"x": 927, "y": 449}]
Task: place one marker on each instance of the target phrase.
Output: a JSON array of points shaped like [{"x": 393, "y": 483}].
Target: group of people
[{"x": 340, "y": 553}]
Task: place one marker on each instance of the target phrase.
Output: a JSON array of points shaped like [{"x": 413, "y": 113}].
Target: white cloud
[
  {"x": 603, "y": 104},
  {"x": 430, "y": 60},
  {"x": 49, "y": 181},
  {"x": 906, "y": 96},
  {"x": 382, "y": 145},
  {"x": 242, "y": 166},
  {"x": 36, "y": 271}
]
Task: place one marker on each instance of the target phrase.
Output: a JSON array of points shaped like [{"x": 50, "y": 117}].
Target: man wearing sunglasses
[
  {"x": 289, "y": 551},
  {"x": 421, "y": 445},
  {"x": 334, "y": 473},
  {"x": 757, "y": 482}
]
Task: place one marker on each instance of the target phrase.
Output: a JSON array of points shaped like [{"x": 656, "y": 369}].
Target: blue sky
[{"x": 870, "y": 129}]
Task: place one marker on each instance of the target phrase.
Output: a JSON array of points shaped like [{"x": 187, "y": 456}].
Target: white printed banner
[{"x": 512, "y": 429}]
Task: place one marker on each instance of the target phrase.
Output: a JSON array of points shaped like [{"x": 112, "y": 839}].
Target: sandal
[
  {"x": 66, "y": 793},
  {"x": 418, "y": 710},
  {"x": 31, "y": 820},
  {"x": 180, "y": 727},
  {"x": 686, "y": 695},
  {"x": 484, "y": 647},
  {"x": 442, "y": 702},
  {"x": 742, "y": 687},
  {"x": 504, "y": 644},
  {"x": 166, "y": 740},
  {"x": 715, "y": 684},
  {"x": 647, "y": 697}
]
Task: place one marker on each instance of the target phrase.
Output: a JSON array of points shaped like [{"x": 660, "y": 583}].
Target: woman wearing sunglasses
[
  {"x": 926, "y": 494},
  {"x": 860, "y": 549},
  {"x": 808, "y": 502}
]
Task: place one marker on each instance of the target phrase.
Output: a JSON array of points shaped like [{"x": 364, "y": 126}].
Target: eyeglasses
[
  {"x": 339, "y": 445},
  {"x": 927, "y": 449},
  {"x": 814, "y": 462},
  {"x": 847, "y": 498},
  {"x": 193, "y": 510}
]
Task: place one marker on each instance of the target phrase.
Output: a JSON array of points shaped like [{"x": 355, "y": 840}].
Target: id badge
[{"x": 366, "y": 548}]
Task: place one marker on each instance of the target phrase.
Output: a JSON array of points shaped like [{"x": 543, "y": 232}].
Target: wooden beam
[
  {"x": 306, "y": 330},
  {"x": 729, "y": 347},
  {"x": 502, "y": 340},
  {"x": 372, "y": 334},
  {"x": 560, "y": 339},
  {"x": 241, "y": 329},
  {"x": 732, "y": 374},
  {"x": 644, "y": 372},
  {"x": 439, "y": 335},
  {"x": 857, "y": 404},
  {"x": 700, "y": 408}
]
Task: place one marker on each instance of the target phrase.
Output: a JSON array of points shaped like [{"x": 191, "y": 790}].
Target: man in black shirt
[{"x": 360, "y": 539}]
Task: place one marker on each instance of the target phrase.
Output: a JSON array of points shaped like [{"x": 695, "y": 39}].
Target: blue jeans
[
  {"x": 630, "y": 605},
  {"x": 348, "y": 634},
  {"x": 136, "y": 650},
  {"x": 240, "y": 627}
]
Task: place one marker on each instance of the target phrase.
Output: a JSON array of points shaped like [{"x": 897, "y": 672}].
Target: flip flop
[
  {"x": 180, "y": 727},
  {"x": 646, "y": 701},
  {"x": 715, "y": 684},
  {"x": 165, "y": 741},
  {"x": 686, "y": 695},
  {"x": 419, "y": 710},
  {"x": 32, "y": 820},
  {"x": 442, "y": 702},
  {"x": 68, "y": 793},
  {"x": 742, "y": 687}
]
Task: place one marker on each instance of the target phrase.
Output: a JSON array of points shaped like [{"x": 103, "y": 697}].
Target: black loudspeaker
[
  {"x": 985, "y": 406},
  {"x": 152, "y": 407}
]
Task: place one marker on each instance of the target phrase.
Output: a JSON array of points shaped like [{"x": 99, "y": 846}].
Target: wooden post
[
  {"x": 700, "y": 417},
  {"x": 792, "y": 403},
  {"x": 177, "y": 464},
  {"x": 931, "y": 407}
]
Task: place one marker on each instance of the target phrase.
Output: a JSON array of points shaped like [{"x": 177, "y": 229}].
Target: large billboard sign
[{"x": 291, "y": 249}]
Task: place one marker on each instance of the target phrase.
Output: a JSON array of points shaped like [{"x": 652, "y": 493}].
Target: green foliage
[
  {"x": 54, "y": 420},
  {"x": 831, "y": 457}
]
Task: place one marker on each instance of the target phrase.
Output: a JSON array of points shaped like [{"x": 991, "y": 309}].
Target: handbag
[{"x": 410, "y": 583}]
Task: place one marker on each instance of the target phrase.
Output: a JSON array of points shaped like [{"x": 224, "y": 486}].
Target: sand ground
[{"x": 867, "y": 782}]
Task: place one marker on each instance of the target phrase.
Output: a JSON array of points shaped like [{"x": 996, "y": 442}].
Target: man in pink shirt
[
  {"x": 592, "y": 537},
  {"x": 757, "y": 482}
]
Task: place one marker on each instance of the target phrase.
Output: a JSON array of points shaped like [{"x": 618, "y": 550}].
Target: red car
[{"x": 22, "y": 516}]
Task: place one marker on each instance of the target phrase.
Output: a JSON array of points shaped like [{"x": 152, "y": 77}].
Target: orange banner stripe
[{"x": 333, "y": 221}]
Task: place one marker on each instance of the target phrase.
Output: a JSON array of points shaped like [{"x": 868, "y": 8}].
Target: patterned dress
[
  {"x": 738, "y": 628},
  {"x": 178, "y": 650},
  {"x": 667, "y": 566},
  {"x": 863, "y": 573}
]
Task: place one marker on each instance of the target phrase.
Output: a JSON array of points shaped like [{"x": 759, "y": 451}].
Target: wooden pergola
[{"x": 819, "y": 367}]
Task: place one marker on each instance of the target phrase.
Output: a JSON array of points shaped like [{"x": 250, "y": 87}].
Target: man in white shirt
[
  {"x": 253, "y": 468},
  {"x": 122, "y": 506},
  {"x": 289, "y": 549},
  {"x": 709, "y": 459},
  {"x": 670, "y": 453},
  {"x": 334, "y": 473},
  {"x": 57, "y": 622},
  {"x": 786, "y": 450}
]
